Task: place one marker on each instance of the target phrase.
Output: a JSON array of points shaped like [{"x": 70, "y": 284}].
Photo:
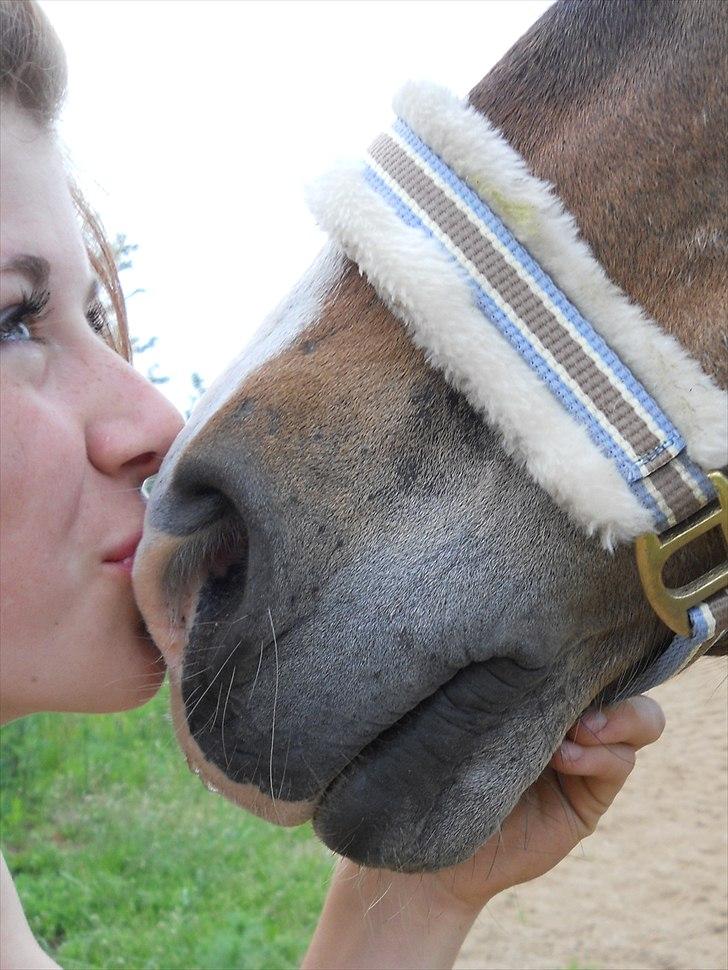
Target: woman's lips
[
  {"x": 122, "y": 556},
  {"x": 125, "y": 565}
]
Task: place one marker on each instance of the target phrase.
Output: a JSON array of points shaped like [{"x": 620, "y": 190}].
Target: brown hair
[{"x": 33, "y": 76}]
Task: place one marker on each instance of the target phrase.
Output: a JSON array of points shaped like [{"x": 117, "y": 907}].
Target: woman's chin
[
  {"x": 156, "y": 671},
  {"x": 134, "y": 689}
]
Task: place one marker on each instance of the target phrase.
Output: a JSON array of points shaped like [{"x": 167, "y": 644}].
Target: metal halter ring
[{"x": 653, "y": 551}]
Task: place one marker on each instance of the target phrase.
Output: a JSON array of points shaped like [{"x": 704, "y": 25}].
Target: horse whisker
[
  {"x": 275, "y": 706},
  {"x": 224, "y": 712},
  {"x": 220, "y": 670}
]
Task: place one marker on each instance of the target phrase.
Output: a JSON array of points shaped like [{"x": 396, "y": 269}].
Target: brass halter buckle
[{"x": 653, "y": 551}]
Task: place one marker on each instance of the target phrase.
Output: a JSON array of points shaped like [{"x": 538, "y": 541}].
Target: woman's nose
[{"x": 131, "y": 426}]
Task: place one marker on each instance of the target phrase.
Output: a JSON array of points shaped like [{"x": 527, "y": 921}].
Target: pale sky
[{"x": 194, "y": 126}]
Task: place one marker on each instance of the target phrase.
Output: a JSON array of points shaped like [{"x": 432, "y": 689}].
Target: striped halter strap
[{"x": 442, "y": 190}]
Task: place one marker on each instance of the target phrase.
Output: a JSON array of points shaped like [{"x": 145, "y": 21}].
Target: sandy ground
[{"x": 649, "y": 891}]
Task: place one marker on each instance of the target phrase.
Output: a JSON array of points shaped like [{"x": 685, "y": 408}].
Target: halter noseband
[{"x": 467, "y": 246}]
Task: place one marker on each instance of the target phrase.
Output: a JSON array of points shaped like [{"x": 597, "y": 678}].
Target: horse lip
[
  {"x": 244, "y": 795},
  {"x": 170, "y": 574},
  {"x": 317, "y": 799},
  {"x": 167, "y": 608}
]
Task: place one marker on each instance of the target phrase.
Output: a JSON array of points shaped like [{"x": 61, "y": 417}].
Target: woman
[{"x": 80, "y": 430}]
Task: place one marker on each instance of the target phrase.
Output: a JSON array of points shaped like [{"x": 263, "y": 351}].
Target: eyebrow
[
  {"x": 34, "y": 268},
  {"x": 37, "y": 271}
]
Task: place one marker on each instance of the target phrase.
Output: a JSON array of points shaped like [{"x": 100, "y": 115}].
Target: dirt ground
[{"x": 650, "y": 890}]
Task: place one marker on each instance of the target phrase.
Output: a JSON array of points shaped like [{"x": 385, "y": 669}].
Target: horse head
[{"x": 373, "y": 614}]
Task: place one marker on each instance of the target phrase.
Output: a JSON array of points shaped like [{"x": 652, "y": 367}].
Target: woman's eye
[
  {"x": 11, "y": 331},
  {"x": 17, "y": 323}
]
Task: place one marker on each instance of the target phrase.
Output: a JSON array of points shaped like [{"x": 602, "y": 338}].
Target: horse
[{"x": 373, "y": 615}]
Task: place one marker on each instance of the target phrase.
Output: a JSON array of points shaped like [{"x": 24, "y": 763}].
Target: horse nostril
[
  {"x": 196, "y": 509},
  {"x": 207, "y": 505},
  {"x": 225, "y": 560},
  {"x": 193, "y": 502},
  {"x": 211, "y": 559}
]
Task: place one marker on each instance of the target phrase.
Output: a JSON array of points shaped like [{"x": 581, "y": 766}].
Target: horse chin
[{"x": 420, "y": 795}]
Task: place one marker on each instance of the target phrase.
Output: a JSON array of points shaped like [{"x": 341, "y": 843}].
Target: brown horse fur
[
  {"x": 409, "y": 625},
  {"x": 622, "y": 106}
]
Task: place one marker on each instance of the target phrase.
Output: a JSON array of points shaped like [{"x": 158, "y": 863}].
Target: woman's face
[{"x": 79, "y": 431}]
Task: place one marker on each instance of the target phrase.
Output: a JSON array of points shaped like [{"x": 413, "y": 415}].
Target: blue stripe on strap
[
  {"x": 544, "y": 282},
  {"x": 629, "y": 470}
]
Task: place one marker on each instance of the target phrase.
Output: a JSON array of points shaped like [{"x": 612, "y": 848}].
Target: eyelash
[
  {"x": 30, "y": 310},
  {"x": 97, "y": 317}
]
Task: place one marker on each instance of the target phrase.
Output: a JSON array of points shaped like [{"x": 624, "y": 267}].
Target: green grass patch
[{"x": 122, "y": 859}]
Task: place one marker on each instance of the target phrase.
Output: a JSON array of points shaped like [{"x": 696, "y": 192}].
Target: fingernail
[
  {"x": 594, "y": 721},
  {"x": 571, "y": 751}
]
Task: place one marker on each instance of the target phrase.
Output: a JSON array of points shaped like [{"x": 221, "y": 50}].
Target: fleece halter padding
[{"x": 486, "y": 268}]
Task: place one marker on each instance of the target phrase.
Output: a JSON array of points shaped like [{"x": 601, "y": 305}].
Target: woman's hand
[{"x": 376, "y": 918}]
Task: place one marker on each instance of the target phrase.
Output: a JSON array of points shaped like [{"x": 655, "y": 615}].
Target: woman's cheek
[
  {"x": 14, "y": 458},
  {"x": 22, "y": 370},
  {"x": 23, "y": 364},
  {"x": 36, "y": 487}
]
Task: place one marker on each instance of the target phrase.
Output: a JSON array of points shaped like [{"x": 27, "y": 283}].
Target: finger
[
  {"x": 607, "y": 764},
  {"x": 637, "y": 722},
  {"x": 591, "y": 778}
]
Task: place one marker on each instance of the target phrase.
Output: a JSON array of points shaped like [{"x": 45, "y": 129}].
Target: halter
[{"x": 483, "y": 264}]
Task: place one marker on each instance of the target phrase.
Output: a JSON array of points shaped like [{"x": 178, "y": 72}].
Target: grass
[{"x": 122, "y": 859}]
